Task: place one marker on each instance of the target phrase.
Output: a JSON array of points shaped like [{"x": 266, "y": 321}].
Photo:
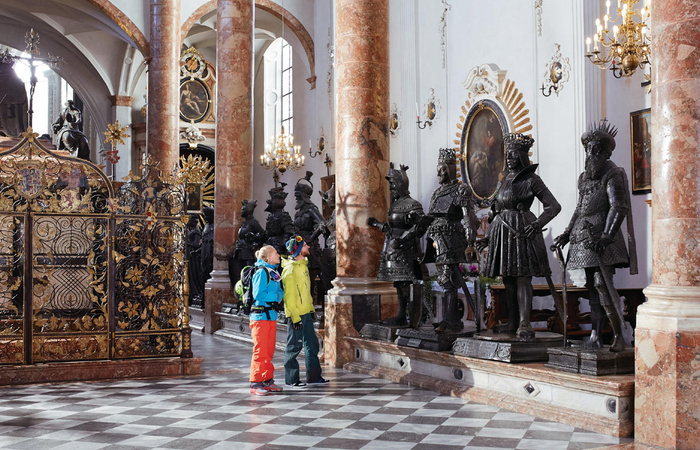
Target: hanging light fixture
[
  {"x": 629, "y": 45},
  {"x": 281, "y": 154}
]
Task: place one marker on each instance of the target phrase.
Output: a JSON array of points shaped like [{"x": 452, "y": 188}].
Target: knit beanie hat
[{"x": 294, "y": 246}]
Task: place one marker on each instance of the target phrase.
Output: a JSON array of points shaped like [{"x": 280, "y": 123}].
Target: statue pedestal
[
  {"x": 426, "y": 338},
  {"x": 380, "y": 332},
  {"x": 591, "y": 362},
  {"x": 506, "y": 347}
]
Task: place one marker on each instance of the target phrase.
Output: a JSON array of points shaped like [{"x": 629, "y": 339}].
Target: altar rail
[{"x": 89, "y": 271}]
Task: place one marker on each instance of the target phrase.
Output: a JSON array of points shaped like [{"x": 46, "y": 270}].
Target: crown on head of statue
[
  {"x": 278, "y": 192},
  {"x": 518, "y": 141},
  {"x": 603, "y": 132},
  {"x": 447, "y": 156}
]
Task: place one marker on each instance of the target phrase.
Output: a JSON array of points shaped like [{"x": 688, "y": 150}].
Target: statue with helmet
[
  {"x": 452, "y": 229},
  {"x": 279, "y": 226},
  {"x": 251, "y": 236},
  {"x": 594, "y": 234},
  {"x": 402, "y": 253},
  {"x": 306, "y": 220},
  {"x": 516, "y": 248}
]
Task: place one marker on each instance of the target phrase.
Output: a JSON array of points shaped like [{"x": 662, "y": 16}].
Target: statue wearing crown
[
  {"x": 452, "y": 230},
  {"x": 251, "y": 236},
  {"x": 279, "y": 226},
  {"x": 516, "y": 249},
  {"x": 594, "y": 234}
]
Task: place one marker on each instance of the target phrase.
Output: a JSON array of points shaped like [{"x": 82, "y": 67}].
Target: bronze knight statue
[
  {"x": 516, "y": 246},
  {"x": 279, "y": 226},
  {"x": 448, "y": 239},
  {"x": 69, "y": 136},
  {"x": 401, "y": 255},
  {"x": 251, "y": 236},
  {"x": 306, "y": 220},
  {"x": 594, "y": 234}
]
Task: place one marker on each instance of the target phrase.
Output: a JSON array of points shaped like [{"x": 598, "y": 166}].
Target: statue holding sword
[{"x": 595, "y": 236}]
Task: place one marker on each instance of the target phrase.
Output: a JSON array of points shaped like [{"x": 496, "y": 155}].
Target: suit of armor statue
[
  {"x": 516, "y": 246},
  {"x": 448, "y": 238},
  {"x": 306, "y": 220},
  {"x": 400, "y": 258},
  {"x": 251, "y": 236},
  {"x": 594, "y": 235},
  {"x": 327, "y": 229},
  {"x": 279, "y": 226}
]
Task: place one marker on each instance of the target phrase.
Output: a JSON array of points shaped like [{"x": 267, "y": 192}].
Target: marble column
[
  {"x": 234, "y": 143},
  {"x": 362, "y": 162},
  {"x": 667, "y": 375},
  {"x": 121, "y": 112},
  {"x": 163, "y": 83}
]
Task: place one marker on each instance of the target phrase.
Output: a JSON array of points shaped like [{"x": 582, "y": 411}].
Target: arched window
[{"x": 279, "y": 103}]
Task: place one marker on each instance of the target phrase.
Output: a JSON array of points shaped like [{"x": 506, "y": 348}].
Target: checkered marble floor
[{"x": 216, "y": 411}]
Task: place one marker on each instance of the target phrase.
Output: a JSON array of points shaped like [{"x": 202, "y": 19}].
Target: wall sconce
[
  {"x": 431, "y": 112},
  {"x": 394, "y": 121},
  {"x": 320, "y": 146},
  {"x": 557, "y": 73}
]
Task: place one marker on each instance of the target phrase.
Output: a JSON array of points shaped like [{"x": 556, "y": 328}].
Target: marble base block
[
  {"x": 380, "y": 332},
  {"x": 196, "y": 319},
  {"x": 601, "y": 404},
  {"x": 217, "y": 291},
  {"x": 591, "y": 362},
  {"x": 504, "y": 347},
  {"x": 426, "y": 338},
  {"x": 99, "y": 370}
]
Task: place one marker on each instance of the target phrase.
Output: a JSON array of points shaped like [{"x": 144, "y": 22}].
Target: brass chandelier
[
  {"x": 628, "y": 47},
  {"x": 282, "y": 154}
]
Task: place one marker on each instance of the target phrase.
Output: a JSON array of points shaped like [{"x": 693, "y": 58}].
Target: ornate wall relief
[{"x": 557, "y": 73}]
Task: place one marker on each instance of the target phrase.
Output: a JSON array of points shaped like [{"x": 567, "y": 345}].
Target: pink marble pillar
[
  {"x": 667, "y": 386},
  {"x": 163, "y": 83},
  {"x": 234, "y": 143},
  {"x": 362, "y": 159}
]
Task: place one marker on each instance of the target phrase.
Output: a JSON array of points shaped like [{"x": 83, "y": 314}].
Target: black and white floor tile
[{"x": 216, "y": 411}]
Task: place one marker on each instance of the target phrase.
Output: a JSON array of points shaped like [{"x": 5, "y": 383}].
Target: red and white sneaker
[
  {"x": 272, "y": 387},
  {"x": 259, "y": 390}
]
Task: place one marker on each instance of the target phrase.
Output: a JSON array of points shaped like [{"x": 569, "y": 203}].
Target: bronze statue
[
  {"x": 595, "y": 239},
  {"x": 327, "y": 228},
  {"x": 279, "y": 226},
  {"x": 69, "y": 135},
  {"x": 448, "y": 239},
  {"x": 306, "y": 220},
  {"x": 251, "y": 236},
  {"x": 208, "y": 243},
  {"x": 400, "y": 258},
  {"x": 13, "y": 101},
  {"x": 516, "y": 246},
  {"x": 194, "y": 258}
]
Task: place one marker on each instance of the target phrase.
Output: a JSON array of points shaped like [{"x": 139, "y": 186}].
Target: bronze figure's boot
[
  {"x": 618, "y": 343},
  {"x": 525, "y": 331},
  {"x": 404, "y": 294},
  {"x": 595, "y": 341},
  {"x": 453, "y": 319}
]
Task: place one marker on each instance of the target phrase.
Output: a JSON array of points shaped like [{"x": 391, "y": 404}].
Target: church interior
[{"x": 498, "y": 200}]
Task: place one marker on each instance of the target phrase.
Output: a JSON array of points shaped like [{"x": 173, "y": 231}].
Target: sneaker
[
  {"x": 297, "y": 385},
  {"x": 272, "y": 387},
  {"x": 319, "y": 381},
  {"x": 258, "y": 390}
]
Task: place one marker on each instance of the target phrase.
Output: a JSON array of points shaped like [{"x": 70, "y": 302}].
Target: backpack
[{"x": 247, "y": 299}]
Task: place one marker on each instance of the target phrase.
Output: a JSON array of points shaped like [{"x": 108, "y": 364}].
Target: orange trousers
[{"x": 264, "y": 333}]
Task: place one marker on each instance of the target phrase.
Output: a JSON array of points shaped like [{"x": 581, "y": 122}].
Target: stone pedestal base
[
  {"x": 426, "y": 338},
  {"x": 196, "y": 319},
  {"x": 504, "y": 347},
  {"x": 380, "y": 332},
  {"x": 667, "y": 372},
  {"x": 216, "y": 292},
  {"x": 591, "y": 362},
  {"x": 352, "y": 303},
  {"x": 601, "y": 404},
  {"x": 99, "y": 370}
]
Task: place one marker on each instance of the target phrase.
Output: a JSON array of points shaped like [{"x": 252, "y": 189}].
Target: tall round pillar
[
  {"x": 163, "y": 83},
  {"x": 362, "y": 162},
  {"x": 668, "y": 325},
  {"x": 234, "y": 142}
]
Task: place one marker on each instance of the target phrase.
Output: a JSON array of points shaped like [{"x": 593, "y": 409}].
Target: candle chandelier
[
  {"x": 282, "y": 154},
  {"x": 628, "y": 47}
]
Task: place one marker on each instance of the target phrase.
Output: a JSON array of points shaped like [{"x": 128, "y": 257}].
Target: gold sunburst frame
[{"x": 488, "y": 88}]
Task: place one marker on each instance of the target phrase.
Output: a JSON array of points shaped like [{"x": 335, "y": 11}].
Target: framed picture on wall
[{"x": 640, "y": 126}]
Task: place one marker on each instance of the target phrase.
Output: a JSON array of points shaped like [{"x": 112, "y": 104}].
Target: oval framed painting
[
  {"x": 195, "y": 100},
  {"x": 482, "y": 147}
]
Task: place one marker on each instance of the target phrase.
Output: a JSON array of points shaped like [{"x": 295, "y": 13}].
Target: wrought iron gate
[{"x": 86, "y": 274}]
